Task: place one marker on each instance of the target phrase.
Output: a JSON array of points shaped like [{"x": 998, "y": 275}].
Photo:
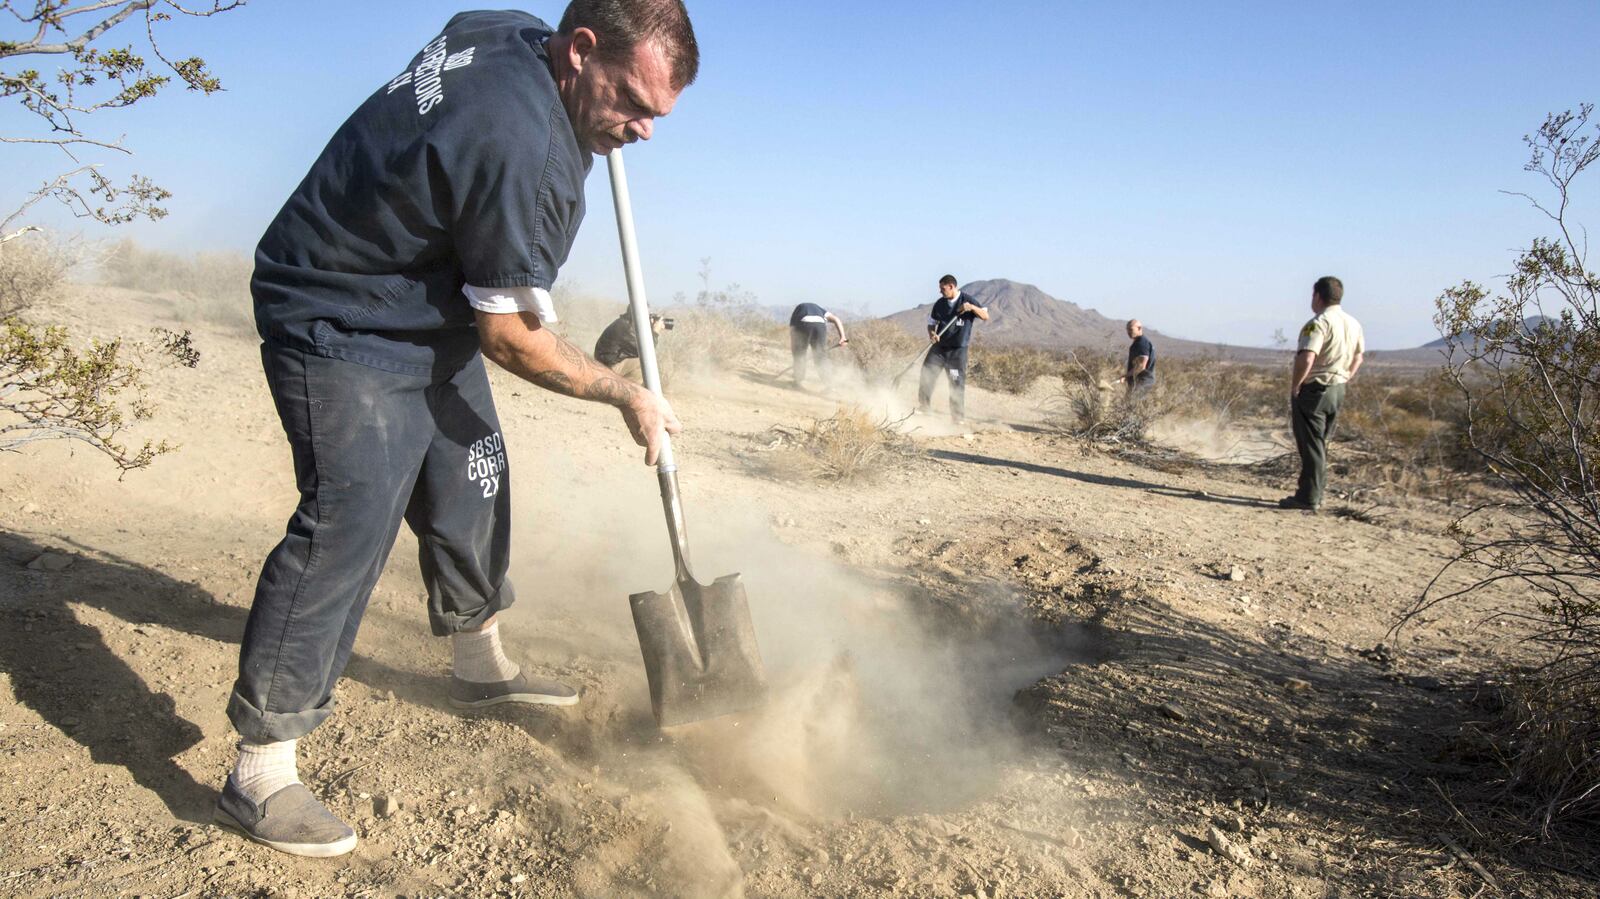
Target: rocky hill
[{"x": 1023, "y": 315}]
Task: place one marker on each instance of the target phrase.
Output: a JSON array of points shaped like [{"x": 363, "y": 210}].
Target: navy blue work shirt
[
  {"x": 463, "y": 169},
  {"x": 807, "y": 310},
  {"x": 1141, "y": 346},
  {"x": 959, "y": 334}
]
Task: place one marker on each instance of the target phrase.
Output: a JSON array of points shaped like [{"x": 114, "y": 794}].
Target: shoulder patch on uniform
[{"x": 1309, "y": 329}]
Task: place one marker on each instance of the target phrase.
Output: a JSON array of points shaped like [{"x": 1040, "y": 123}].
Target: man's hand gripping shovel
[{"x": 700, "y": 652}]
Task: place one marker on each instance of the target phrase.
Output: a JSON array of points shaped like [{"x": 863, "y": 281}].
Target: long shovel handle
[
  {"x": 639, "y": 305},
  {"x": 924, "y": 351}
]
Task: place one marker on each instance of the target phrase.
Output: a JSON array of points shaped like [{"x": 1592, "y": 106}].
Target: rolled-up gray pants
[{"x": 370, "y": 447}]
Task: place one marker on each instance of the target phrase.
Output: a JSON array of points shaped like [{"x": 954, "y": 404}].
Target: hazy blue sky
[{"x": 1193, "y": 164}]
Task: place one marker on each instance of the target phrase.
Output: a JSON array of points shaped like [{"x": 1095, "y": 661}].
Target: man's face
[
  {"x": 948, "y": 291},
  {"x": 616, "y": 102},
  {"x": 1135, "y": 329},
  {"x": 1317, "y": 306}
]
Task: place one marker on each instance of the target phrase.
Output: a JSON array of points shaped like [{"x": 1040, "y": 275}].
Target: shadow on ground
[
  {"x": 1103, "y": 480},
  {"x": 64, "y": 669}
]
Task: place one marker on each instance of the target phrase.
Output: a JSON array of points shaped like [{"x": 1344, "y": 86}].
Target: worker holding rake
[
  {"x": 426, "y": 236},
  {"x": 950, "y": 332}
]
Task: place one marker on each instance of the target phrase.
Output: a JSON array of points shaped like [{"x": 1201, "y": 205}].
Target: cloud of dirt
[
  {"x": 1219, "y": 440},
  {"x": 882, "y": 702}
]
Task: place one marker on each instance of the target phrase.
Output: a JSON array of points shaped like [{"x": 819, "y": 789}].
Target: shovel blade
[{"x": 700, "y": 652}]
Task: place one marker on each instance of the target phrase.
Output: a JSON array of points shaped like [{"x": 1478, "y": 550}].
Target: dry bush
[
  {"x": 709, "y": 340},
  {"x": 1013, "y": 369},
  {"x": 33, "y": 268},
  {"x": 1408, "y": 429},
  {"x": 53, "y": 390},
  {"x": 1092, "y": 405},
  {"x": 205, "y": 287},
  {"x": 882, "y": 349},
  {"x": 848, "y": 445},
  {"x": 1526, "y": 364}
]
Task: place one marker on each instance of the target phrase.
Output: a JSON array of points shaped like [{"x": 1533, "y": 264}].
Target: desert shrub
[
  {"x": 1013, "y": 369},
  {"x": 204, "y": 287},
  {"x": 33, "y": 267},
  {"x": 848, "y": 445},
  {"x": 50, "y": 389},
  {"x": 1526, "y": 365},
  {"x": 705, "y": 340},
  {"x": 882, "y": 349},
  {"x": 1106, "y": 413}
]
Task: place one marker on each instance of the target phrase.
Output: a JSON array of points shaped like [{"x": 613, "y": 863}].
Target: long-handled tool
[
  {"x": 700, "y": 652},
  {"x": 923, "y": 353}
]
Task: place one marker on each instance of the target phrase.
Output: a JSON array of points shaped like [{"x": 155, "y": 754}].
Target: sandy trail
[{"x": 1013, "y": 666}]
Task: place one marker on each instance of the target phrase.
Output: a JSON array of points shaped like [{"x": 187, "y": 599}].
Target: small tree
[
  {"x": 1527, "y": 363},
  {"x": 96, "y": 79},
  {"x": 50, "y": 389}
]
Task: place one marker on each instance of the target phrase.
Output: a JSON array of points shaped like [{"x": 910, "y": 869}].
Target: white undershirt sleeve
[{"x": 513, "y": 299}]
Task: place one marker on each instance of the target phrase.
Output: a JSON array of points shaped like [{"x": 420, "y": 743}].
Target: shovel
[{"x": 700, "y": 652}]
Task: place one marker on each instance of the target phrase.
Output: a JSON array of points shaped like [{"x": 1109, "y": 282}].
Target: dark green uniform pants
[{"x": 1314, "y": 412}]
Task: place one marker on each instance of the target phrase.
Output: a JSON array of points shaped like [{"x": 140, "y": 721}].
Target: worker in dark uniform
[
  {"x": 618, "y": 342},
  {"x": 808, "y": 335},
  {"x": 1141, "y": 372},
  {"x": 425, "y": 237},
  {"x": 950, "y": 332}
]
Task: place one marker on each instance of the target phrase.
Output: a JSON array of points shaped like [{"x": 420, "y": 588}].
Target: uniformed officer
[
  {"x": 1329, "y": 355},
  {"x": 426, "y": 236}
]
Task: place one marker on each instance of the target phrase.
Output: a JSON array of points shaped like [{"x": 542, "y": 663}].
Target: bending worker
[
  {"x": 1141, "y": 372},
  {"x": 1330, "y": 353},
  {"x": 808, "y": 333},
  {"x": 424, "y": 238},
  {"x": 618, "y": 342},
  {"x": 950, "y": 332}
]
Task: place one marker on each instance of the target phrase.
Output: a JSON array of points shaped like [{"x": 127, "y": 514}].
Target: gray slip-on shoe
[
  {"x": 465, "y": 694},
  {"x": 290, "y": 820}
]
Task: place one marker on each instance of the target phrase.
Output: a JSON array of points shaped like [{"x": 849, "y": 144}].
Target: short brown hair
[
  {"x": 621, "y": 25},
  {"x": 1329, "y": 290},
  {"x": 948, "y": 279}
]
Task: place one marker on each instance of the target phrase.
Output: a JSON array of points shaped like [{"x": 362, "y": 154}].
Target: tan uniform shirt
[{"x": 1336, "y": 338}]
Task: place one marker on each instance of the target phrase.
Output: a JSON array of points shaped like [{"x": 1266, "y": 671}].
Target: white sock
[
  {"x": 264, "y": 768},
  {"x": 478, "y": 657}
]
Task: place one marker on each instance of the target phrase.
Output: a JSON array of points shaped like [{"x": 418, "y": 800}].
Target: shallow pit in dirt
[
  {"x": 884, "y": 700},
  {"x": 911, "y": 713}
]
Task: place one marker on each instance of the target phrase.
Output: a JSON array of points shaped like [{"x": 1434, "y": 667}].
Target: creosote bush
[
  {"x": 51, "y": 390},
  {"x": 1525, "y": 362}
]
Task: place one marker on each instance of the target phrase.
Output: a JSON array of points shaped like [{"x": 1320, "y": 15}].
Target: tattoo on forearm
[{"x": 574, "y": 374}]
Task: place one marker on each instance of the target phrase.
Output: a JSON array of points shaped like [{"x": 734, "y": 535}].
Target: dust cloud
[{"x": 881, "y": 702}]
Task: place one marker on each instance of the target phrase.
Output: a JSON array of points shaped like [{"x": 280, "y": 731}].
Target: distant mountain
[
  {"x": 1023, "y": 315},
  {"x": 1532, "y": 323}
]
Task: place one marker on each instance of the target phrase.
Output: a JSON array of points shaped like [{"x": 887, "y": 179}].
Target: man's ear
[{"x": 581, "y": 48}]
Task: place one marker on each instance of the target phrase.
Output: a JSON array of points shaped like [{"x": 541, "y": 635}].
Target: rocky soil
[{"x": 1010, "y": 665}]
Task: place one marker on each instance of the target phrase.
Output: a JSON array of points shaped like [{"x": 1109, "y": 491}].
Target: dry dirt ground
[{"x": 1010, "y": 666}]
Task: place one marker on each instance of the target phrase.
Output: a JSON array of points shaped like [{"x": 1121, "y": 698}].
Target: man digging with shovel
[{"x": 430, "y": 229}]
